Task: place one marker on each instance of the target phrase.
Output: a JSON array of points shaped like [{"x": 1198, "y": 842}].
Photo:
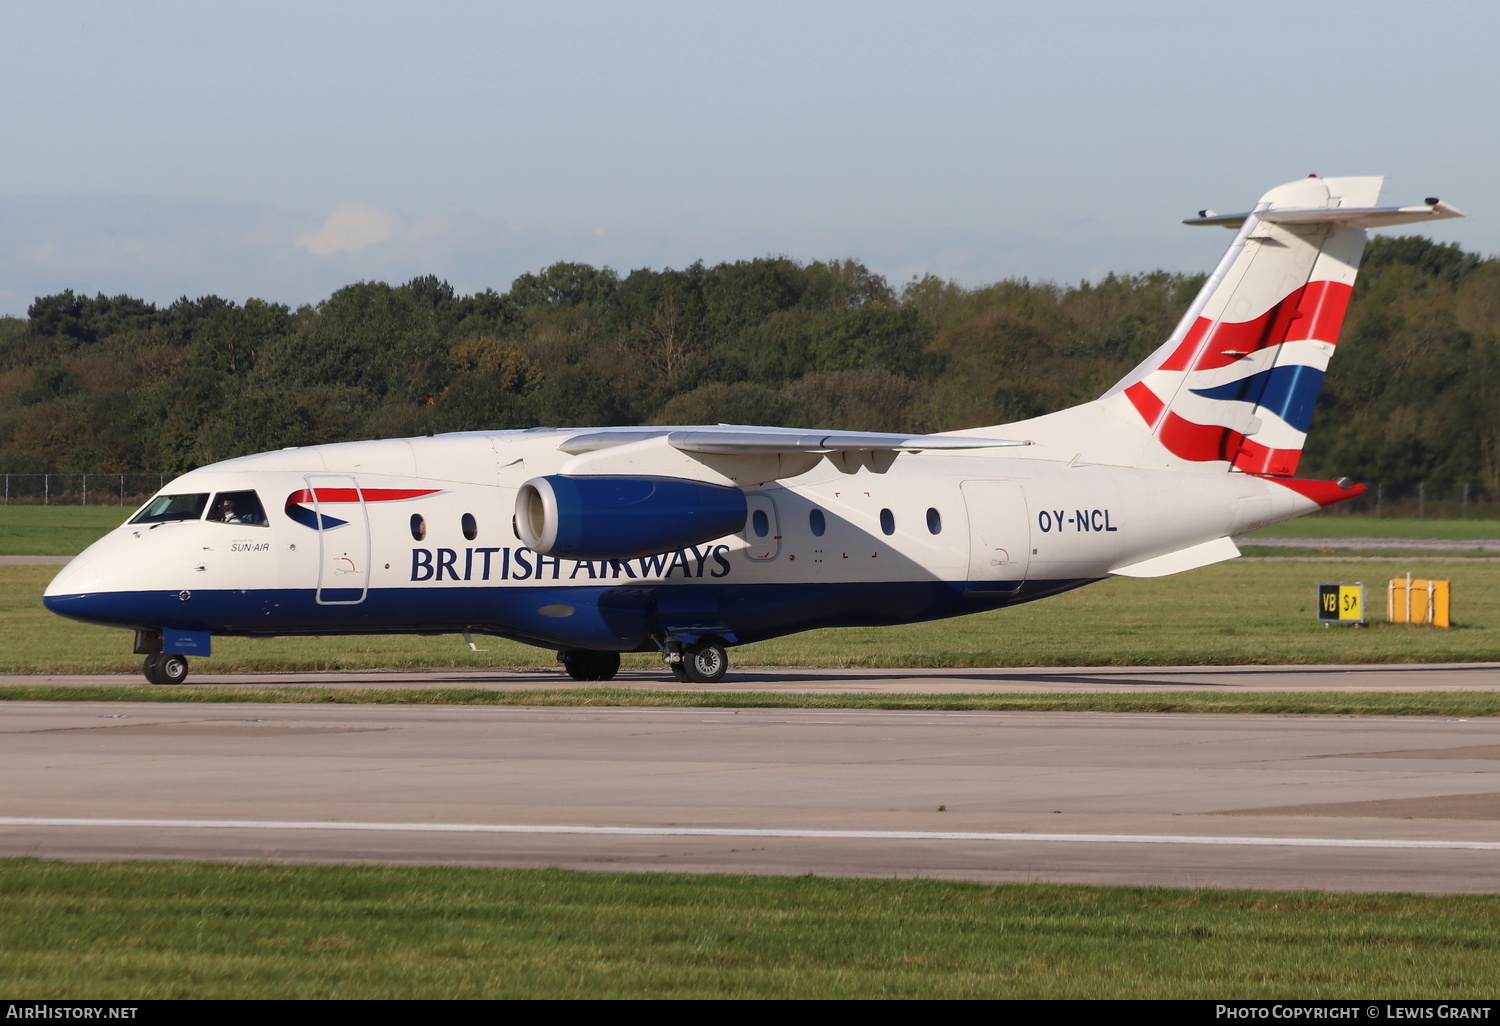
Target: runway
[
  {"x": 854, "y": 680},
  {"x": 1350, "y": 804}
]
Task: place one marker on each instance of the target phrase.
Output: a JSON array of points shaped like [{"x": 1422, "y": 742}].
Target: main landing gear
[
  {"x": 703, "y": 662},
  {"x": 165, "y": 668},
  {"x": 583, "y": 664}
]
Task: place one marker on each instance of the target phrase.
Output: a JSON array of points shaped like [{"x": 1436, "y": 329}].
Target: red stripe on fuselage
[{"x": 353, "y": 494}]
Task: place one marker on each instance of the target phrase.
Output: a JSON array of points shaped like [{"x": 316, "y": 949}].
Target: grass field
[
  {"x": 1336, "y": 548},
  {"x": 1240, "y": 612},
  {"x": 168, "y": 930},
  {"x": 1336, "y": 525},
  {"x": 55, "y": 530}
]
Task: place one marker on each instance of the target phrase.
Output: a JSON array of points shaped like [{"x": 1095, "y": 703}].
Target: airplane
[{"x": 689, "y": 540}]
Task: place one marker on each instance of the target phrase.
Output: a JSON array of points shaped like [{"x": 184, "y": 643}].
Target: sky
[{"x": 282, "y": 150}]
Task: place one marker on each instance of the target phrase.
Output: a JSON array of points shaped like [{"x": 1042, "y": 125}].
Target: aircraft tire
[
  {"x": 705, "y": 663},
  {"x": 582, "y": 664},
  {"x": 679, "y": 670},
  {"x": 172, "y": 668},
  {"x": 165, "y": 668}
]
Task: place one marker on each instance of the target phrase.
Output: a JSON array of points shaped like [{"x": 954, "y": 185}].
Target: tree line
[{"x": 115, "y": 384}]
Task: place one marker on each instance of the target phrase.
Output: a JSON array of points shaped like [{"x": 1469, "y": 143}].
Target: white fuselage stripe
[{"x": 684, "y": 831}]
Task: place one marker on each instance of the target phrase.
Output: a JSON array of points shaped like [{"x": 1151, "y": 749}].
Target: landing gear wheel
[
  {"x": 165, "y": 668},
  {"x": 705, "y": 663},
  {"x": 582, "y": 664},
  {"x": 679, "y": 670}
]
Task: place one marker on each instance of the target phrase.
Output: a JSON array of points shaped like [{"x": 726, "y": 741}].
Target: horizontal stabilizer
[
  {"x": 728, "y": 440},
  {"x": 1190, "y": 558},
  {"x": 1355, "y": 217}
]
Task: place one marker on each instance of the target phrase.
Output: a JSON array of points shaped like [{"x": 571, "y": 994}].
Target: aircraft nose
[
  {"x": 82, "y": 591},
  {"x": 81, "y": 575}
]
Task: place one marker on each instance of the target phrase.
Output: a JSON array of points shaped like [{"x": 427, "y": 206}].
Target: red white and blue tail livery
[{"x": 689, "y": 540}]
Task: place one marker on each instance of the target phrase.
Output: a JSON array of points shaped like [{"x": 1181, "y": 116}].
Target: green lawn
[
  {"x": 169, "y": 930},
  {"x": 1231, "y": 613},
  {"x": 1335, "y": 525},
  {"x": 55, "y": 530}
]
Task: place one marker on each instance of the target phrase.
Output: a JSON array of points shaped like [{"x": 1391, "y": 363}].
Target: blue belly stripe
[{"x": 606, "y": 618}]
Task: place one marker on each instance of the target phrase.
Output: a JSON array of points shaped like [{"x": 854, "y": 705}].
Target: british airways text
[{"x": 523, "y": 564}]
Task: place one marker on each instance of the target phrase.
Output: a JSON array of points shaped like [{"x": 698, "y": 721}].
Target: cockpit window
[
  {"x": 166, "y": 508},
  {"x": 238, "y": 508}
]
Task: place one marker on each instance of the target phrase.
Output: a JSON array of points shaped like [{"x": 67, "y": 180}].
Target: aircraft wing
[
  {"x": 744, "y": 456},
  {"x": 733, "y": 440}
]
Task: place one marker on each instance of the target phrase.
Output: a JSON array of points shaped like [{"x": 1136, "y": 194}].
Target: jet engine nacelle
[{"x": 589, "y": 517}]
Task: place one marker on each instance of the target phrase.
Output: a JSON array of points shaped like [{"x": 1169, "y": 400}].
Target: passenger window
[
  {"x": 242, "y": 508},
  {"x": 418, "y": 527},
  {"x": 816, "y": 521},
  {"x": 887, "y": 522},
  {"x": 471, "y": 529},
  {"x": 760, "y": 523},
  {"x": 166, "y": 508},
  {"x": 934, "y": 521}
]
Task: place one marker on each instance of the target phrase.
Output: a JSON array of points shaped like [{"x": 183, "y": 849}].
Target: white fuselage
[{"x": 426, "y": 541}]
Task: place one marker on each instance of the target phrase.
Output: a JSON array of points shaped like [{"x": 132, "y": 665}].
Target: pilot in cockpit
[
  {"x": 238, "y": 508},
  {"x": 225, "y": 512}
]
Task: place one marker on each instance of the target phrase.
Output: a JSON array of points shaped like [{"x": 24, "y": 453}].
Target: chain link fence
[
  {"x": 1422, "y": 500},
  {"x": 81, "y": 489}
]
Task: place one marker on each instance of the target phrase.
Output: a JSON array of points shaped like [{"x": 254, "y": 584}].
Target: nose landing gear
[{"x": 165, "y": 668}]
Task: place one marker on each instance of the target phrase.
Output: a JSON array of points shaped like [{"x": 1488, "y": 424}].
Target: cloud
[{"x": 350, "y": 228}]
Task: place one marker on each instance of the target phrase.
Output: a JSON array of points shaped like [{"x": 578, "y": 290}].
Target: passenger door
[
  {"x": 999, "y": 536},
  {"x": 343, "y": 539}
]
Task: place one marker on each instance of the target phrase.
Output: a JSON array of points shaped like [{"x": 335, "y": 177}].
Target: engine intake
[{"x": 621, "y": 517}]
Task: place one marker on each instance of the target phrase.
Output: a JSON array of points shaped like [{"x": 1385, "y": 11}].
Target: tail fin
[{"x": 1235, "y": 384}]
